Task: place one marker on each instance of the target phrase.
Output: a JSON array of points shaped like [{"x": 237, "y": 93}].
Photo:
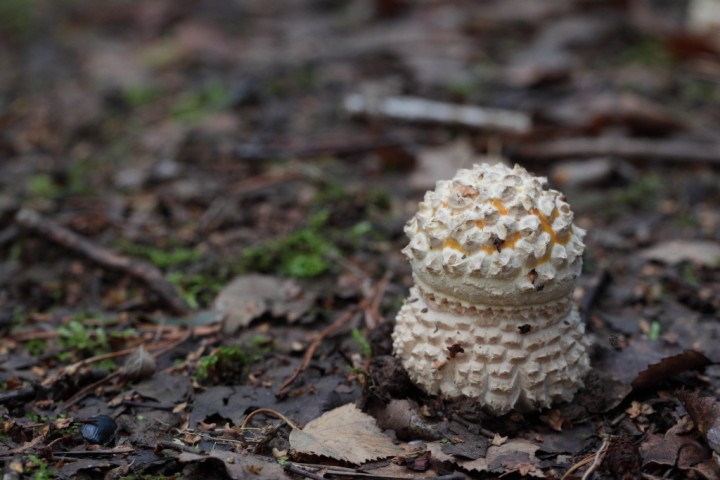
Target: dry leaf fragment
[
  {"x": 345, "y": 434},
  {"x": 248, "y": 297},
  {"x": 515, "y": 455},
  {"x": 705, "y": 412},
  {"x": 675, "y": 251},
  {"x": 139, "y": 365}
]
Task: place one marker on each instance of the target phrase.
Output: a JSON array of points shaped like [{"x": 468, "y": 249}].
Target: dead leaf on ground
[
  {"x": 236, "y": 466},
  {"x": 645, "y": 363},
  {"x": 247, "y": 298},
  {"x": 515, "y": 455},
  {"x": 403, "y": 416},
  {"x": 701, "y": 252},
  {"x": 437, "y": 163},
  {"x": 705, "y": 412},
  {"x": 681, "y": 450},
  {"x": 668, "y": 366},
  {"x": 346, "y": 434}
]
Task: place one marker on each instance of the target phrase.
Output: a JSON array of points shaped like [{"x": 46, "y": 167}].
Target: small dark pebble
[{"x": 100, "y": 429}]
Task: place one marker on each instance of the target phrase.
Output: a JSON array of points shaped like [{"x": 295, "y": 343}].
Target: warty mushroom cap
[
  {"x": 495, "y": 236},
  {"x": 495, "y": 255}
]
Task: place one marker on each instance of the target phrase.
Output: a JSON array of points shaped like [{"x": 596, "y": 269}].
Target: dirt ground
[{"x": 202, "y": 206}]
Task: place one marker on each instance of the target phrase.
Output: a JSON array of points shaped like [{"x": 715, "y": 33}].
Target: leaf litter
[
  {"x": 345, "y": 434},
  {"x": 139, "y": 172}
]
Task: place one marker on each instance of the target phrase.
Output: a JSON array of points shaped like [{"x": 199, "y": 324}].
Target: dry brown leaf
[
  {"x": 705, "y": 412},
  {"x": 248, "y": 297},
  {"x": 515, "y": 455},
  {"x": 345, "y": 434},
  {"x": 675, "y": 251}
]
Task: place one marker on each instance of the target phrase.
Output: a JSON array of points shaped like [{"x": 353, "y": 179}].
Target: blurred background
[
  {"x": 209, "y": 137},
  {"x": 153, "y": 151}
]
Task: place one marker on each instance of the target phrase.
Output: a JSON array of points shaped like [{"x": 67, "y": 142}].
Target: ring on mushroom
[{"x": 495, "y": 255}]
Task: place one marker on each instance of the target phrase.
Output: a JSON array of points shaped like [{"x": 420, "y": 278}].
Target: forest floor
[{"x": 198, "y": 221}]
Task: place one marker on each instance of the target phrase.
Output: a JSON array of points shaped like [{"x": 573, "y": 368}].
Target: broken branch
[
  {"x": 631, "y": 149},
  {"x": 143, "y": 271},
  {"x": 415, "y": 109}
]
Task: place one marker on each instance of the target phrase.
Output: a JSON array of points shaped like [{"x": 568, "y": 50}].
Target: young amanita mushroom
[{"x": 494, "y": 255}]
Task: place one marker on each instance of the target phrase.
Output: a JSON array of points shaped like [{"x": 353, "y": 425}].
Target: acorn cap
[{"x": 495, "y": 235}]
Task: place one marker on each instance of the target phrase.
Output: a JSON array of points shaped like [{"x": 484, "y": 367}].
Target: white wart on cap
[{"x": 495, "y": 256}]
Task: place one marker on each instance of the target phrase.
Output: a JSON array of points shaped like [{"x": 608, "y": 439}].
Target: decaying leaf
[
  {"x": 345, "y": 434},
  {"x": 515, "y": 455},
  {"x": 672, "y": 365},
  {"x": 248, "y": 297},
  {"x": 233, "y": 465},
  {"x": 675, "y": 448},
  {"x": 705, "y": 412},
  {"x": 139, "y": 365},
  {"x": 645, "y": 363},
  {"x": 676, "y": 251}
]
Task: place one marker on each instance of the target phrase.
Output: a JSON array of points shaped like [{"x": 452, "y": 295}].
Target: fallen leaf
[
  {"x": 436, "y": 163},
  {"x": 705, "y": 412},
  {"x": 675, "y": 448},
  {"x": 139, "y": 365},
  {"x": 234, "y": 465},
  {"x": 704, "y": 253},
  {"x": 645, "y": 363},
  {"x": 668, "y": 366},
  {"x": 248, "y": 297},
  {"x": 515, "y": 455},
  {"x": 346, "y": 434}
]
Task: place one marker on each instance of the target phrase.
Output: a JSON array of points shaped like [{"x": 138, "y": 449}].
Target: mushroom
[{"x": 494, "y": 255}]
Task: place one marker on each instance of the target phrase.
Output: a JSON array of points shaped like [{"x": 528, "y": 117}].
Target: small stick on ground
[
  {"x": 630, "y": 149},
  {"x": 372, "y": 312},
  {"x": 329, "y": 330},
  {"x": 16, "y": 395},
  {"x": 267, "y": 411},
  {"x": 143, "y": 271},
  {"x": 297, "y": 470}
]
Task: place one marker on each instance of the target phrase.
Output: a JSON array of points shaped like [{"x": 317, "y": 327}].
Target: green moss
[
  {"x": 19, "y": 18},
  {"x": 161, "y": 257},
  {"x": 642, "y": 193},
  {"x": 303, "y": 253},
  {"x": 90, "y": 341},
  {"x": 36, "y": 347},
  {"x": 198, "y": 288},
  {"x": 40, "y": 468},
  {"x": 43, "y": 186},
  {"x": 363, "y": 343},
  {"x": 138, "y": 96},
  {"x": 195, "y": 106},
  {"x": 648, "y": 52},
  {"x": 227, "y": 365}
]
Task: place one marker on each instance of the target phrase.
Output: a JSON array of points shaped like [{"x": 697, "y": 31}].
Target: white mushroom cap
[
  {"x": 495, "y": 256},
  {"x": 495, "y": 236}
]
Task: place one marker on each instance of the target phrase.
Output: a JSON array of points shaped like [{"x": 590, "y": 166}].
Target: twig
[
  {"x": 592, "y": 294},
  {"x": 318, "y": 147},
  {"x": 92, "y": 453},
  {"x": 599, "y": 456},
  {"x": 372, "y": 312},
  {"x": 141, "y": 270},
  {"x": 298, "y": 470},
  {"x": 180, "y": 447},
  {"x": 267, "y": 411},
  {"x": 21, "y": 394},
  {"x": 415, "y": 109},
  {"x": 85, "y": 390},
  {"x": 669, "y": 151},
  {"x": 154, "y": 406},
  {"x": 329, "y": 330},
  {"x": 595, "y": 459}
]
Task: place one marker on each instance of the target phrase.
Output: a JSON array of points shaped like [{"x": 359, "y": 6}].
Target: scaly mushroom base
[{"x": 505, "y": 357}]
